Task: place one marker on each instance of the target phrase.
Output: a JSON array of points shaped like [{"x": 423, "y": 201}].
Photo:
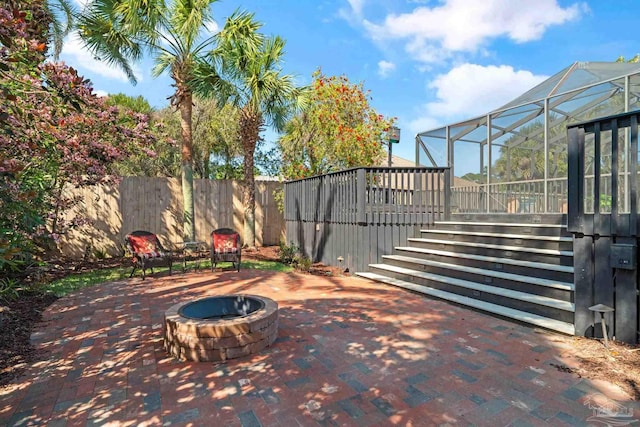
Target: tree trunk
[
  {"x": 250, "y": 125},
  {"x": 249, "y": 200},
  {"x": 186, "y": 106}
]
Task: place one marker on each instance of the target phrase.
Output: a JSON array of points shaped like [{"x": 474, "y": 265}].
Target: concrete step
[
  {"x": 494, "y": 290},
  {"x": 501, "y": 224},
  {"x": 484, "y": 272},
  {"x": 490, "y": 259},
  {"x": 564, "y": 239},
  {"x": 522, "y": 316},
  {"x": 506, "y": 248},
  {"x": 505, "y": 227}
]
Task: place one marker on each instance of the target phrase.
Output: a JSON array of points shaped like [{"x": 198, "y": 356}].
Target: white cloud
[
  {"x": 423, "y": 123},
  {"x": 101, "y": 93},
  {"x": 353, "y": 13},
  {"x": 434, "y": 33},
  {"x": 385, "y": 68},
  {"x": 76, "y": 55},
  {"x": 82, "y": 3},
  {"x": 356, "y": 6},
  {"x": 212, "y": 27},
  {"x": 469, "y": 90}
]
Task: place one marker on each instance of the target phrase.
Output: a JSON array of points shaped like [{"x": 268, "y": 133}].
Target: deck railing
[
  {"x": 359, "y": 215},
  {"x": 517, "y": 197},
  {"x": 370, "y": 195}
]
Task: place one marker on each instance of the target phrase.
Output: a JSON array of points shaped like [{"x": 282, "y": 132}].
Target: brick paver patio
[{"x": 349, "y": 352}]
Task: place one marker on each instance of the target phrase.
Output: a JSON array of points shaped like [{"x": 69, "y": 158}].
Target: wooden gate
[{"x": 603, "y": 217}]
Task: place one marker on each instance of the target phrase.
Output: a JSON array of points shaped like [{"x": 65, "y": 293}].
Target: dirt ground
[{"x": 620, "y": 364}]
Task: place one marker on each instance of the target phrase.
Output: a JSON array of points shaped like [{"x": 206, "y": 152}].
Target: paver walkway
[{"x": 349, "y": 352}]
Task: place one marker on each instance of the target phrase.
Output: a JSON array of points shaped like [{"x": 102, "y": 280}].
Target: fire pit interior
[{"x": 215, "y": 329}]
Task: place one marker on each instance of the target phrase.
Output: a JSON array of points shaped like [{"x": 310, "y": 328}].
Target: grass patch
[
  {"x": 255, "y": 265},
  {"x": 74, "y": 282}
]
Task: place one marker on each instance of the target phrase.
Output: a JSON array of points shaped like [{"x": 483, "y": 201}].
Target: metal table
[{"x": 197, "y": 249}]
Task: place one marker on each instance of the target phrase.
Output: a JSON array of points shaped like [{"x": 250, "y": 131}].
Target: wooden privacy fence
[
  {"x": 603, "y": 217},
  {"x": 155, "y": 204},
  {"x": 358, "y": 215}
]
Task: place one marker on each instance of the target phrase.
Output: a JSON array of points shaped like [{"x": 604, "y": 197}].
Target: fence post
[
  {"x": 447, "y": 194},
  {"x": 361, "y": 194}
]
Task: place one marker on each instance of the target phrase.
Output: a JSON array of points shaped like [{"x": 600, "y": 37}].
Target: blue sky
[{"x": 428, "y": 63}]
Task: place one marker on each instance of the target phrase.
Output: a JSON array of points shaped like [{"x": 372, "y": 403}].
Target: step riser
[
  {"x": 554, "y": 293},
  {"x": 476, "y": 250},
  {"x": 521, "y": 218},
  {"x": 506, "y": 241},
  {"x": 493, "y": 266},
  {"x": 502, "y": 229},
  {"x": 549, "y": 312}
]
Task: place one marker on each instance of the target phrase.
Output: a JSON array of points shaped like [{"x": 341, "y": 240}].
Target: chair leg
[{"x": 132, "y": 271}]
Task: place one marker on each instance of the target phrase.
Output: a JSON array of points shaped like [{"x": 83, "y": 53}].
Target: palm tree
[
  {"x": 245, "y": 71},
  {"x": 121, "y": 31}
]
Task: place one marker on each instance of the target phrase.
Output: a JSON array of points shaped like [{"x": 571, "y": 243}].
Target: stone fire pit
[{"x": 215, "y": 329}]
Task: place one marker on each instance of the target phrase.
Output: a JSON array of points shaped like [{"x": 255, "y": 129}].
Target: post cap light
[{"x": 394, "y": 135}]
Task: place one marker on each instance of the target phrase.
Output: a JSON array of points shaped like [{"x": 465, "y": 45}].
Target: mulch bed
[
  {"x": 17, "y": 319},
  {"x": 619, "y": 365}
]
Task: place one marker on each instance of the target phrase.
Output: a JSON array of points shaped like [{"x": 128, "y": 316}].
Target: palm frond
[
  {"x": 188, "y": 18},
  {"x": 108, "y": 37},
  {"x": 62, "y": 13},
  {"x": 239, "y": 38},
  {"x": 162, "y": 63},
  {"x": 141, "y": 15},
  {"x": 208, "y": 82}
]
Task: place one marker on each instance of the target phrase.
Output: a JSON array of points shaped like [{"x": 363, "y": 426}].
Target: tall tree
[
  {"x": 245, "y": 71},
  {"x": 175, "y": 34},
  {"x": 160, "y": 157},
  {"x": 338, "y": 129},
  {"x": 216, "y": 141},
  {"x": 137, "y": 104},
  {"x": 54, "y": 134}
]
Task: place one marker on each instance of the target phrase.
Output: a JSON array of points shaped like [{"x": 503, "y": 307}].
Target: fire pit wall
[{"x": 216, "y": 340}]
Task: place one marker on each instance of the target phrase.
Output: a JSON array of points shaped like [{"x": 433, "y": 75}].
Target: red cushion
[
  {"x": 226, "y": 243},
  {"x": 144, "y": 245}
]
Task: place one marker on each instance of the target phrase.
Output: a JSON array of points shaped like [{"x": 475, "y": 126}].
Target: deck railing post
[
  {"x": 447, "y": 194},
  {"x": 361, "y": 194}
]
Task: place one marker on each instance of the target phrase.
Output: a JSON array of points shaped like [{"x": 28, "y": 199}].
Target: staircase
[{"x": 518, "y": 271}]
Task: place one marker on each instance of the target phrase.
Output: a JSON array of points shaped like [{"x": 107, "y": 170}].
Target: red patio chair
[
  {"x": 225, "y": 247},
  {"x": 147, "y": 252}
]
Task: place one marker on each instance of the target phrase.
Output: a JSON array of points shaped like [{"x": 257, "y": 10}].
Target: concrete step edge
[
  {"x": 484, "y": 272},
  {"x": 544, "y": 322},
  {"x": 491, "y": 246},
  {"x": 484, "y": 258},
  {"x": 501, "y": 235},
  {"x": 494, "y": 290},
  {"x": 501, "y": 224}
]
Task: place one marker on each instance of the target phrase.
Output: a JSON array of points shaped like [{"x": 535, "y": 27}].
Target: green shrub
[
  {"x": 287, "y": 253},
  {"x": 9, "y": 289},
  {"x": 302, "y": 263}
]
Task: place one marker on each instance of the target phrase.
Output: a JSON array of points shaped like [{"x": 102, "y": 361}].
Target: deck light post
[{"x": 394, "y": 138}]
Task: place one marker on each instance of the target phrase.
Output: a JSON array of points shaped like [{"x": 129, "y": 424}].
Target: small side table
[{"x": 197, "y": 249}]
